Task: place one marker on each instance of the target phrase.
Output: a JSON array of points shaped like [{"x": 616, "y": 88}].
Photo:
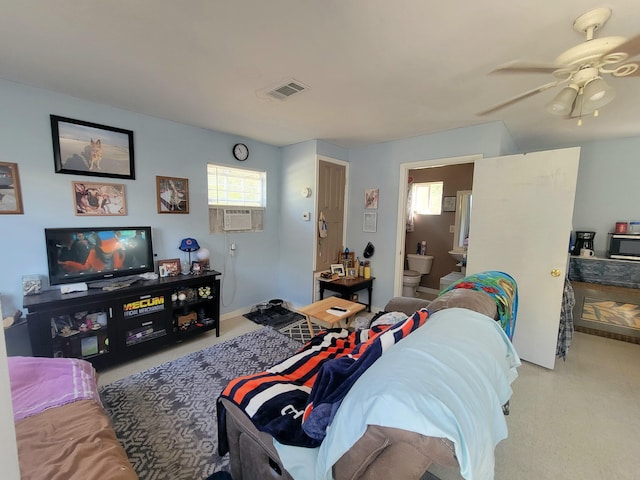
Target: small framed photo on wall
[
  {"x": 172, "y": 194},
  {"x": 10, "y": 194},
  {"x": 100, "y": 199},
  {"x": 449, "y": 204},
  {"x": 370, "y": 222},
  {"x": 371, "y": 198}
]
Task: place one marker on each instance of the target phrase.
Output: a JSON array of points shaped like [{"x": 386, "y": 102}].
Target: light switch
[
  {"x": 452, "y": 229},
  {"x": 306, "y": 216}
]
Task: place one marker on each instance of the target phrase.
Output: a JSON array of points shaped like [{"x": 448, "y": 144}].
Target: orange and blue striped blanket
[{"x": 296, "y": 400}]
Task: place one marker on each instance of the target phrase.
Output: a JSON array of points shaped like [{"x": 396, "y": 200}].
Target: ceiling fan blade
[
  {"x": 525, "y": 66},
  {"x": 522, "y": 96},
  {"x": 631, "y": 47}
]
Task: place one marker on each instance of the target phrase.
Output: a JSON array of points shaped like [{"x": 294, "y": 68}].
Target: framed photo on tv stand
[{"x": 169, "y": 267}]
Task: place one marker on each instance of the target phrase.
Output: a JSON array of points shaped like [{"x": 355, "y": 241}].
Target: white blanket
[{"x": 447, "y": 379}]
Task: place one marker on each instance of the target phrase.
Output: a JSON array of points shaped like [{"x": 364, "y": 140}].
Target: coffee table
[{"x": 318, "y": 310}]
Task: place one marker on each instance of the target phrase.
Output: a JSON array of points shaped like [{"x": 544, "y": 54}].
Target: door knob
[{"x": 555, "y": 272}]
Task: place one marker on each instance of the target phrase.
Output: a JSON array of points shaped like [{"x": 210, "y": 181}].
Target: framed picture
[
  {"x": 371, "y": 198},
  {"x": 351, "y": 273},
  {"x": 169, "y": 267},
  {"x": 10, "y": 193},
  {"x": 449, "y": 204},
  {"x": 172, "y": 194},
  {"x": 338, "y": 269},
  {"x": 370, "y": 222},
  {"x": 196, "y": 267},
  {"x": 102, "y": 199},
  {"x": 84, "y": 148}
]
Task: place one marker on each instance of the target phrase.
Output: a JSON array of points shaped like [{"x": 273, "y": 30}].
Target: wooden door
[
  {"x": 521, "y": 224},
  {"x": 331, "y": 195}
]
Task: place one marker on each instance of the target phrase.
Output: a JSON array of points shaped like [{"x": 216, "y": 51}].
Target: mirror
[{"x": 463, "y": 219}]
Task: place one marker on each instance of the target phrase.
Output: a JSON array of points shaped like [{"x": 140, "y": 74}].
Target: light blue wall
[
  {"x": 299, "y": 170},
  {"x": 296, "y": 235},
  {"x": 161, "y": 148}
]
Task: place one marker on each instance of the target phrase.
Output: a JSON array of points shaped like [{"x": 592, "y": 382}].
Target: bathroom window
[
  {"x": 235, "y": 193},
  {"x": 427, "y": 198}
]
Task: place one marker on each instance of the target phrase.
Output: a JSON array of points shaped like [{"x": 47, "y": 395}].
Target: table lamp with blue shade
[{"x": 189, "y": 245}]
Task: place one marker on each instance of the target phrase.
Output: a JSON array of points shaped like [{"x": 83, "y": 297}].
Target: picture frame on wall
[
  {"x": 172, "y": 194},
  {"x": 86, "y": 148},
  {"x": 10, "y": 192},
  {"x": 371, "y": 198},
  {"x": 370, "y": 222},
  {"x": 449, "y": 204},
  {"x": 99, "y": 199}
]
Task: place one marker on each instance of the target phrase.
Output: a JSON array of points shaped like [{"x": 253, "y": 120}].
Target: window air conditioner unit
[{"x": 237, "y": 219}]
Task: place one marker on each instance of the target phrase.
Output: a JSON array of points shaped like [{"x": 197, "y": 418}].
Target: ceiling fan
[{"x": 581, "y": 69}]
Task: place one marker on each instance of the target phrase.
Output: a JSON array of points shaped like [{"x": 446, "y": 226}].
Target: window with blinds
[{"x": 229, "y": 188}]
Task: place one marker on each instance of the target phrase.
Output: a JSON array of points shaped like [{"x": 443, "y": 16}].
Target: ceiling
[{"x": 375, "y": 70}]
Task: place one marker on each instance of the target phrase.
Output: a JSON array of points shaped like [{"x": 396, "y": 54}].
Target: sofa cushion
[
  {"x": 386, "y": 452},
  {"x": 465, "y": 298},
  {"x": 408, "y": 305}
]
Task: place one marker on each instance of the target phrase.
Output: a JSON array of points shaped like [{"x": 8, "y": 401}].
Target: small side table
[
  {"x": 347, "y": 287},
  {"x": 319, "y": 310}
]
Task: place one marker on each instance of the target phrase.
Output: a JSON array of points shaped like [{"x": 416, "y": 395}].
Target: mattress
[
  {"x": 62, "y": 430},
  {"x": 71, "y": 442}
]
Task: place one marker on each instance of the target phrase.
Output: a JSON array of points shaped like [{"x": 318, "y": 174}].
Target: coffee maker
[{"x": 583, "y": 240}]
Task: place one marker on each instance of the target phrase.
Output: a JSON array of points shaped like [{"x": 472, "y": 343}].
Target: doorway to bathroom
[{"x": 437, "y": 229}]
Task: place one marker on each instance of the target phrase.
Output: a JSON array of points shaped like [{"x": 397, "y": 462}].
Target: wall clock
[{"x": 240, "y": 152}]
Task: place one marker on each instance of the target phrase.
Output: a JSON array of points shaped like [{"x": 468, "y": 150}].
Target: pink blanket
[{"x": 41, "y": 383}]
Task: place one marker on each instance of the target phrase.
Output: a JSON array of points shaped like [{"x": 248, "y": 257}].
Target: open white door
[{"x": 521, "y": 225}]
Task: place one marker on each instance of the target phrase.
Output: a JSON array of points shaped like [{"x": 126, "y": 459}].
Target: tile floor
[{"x": 579, "y": 421}]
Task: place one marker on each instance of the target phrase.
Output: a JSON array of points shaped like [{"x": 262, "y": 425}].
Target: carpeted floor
[{"x": 165, "y": 417}]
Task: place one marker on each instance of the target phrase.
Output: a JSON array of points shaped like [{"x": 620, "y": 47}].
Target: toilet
[{"x": 418, "y": 265}]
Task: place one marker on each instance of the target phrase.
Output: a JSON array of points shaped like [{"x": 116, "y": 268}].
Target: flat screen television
[{"x": 100, "y": 253}]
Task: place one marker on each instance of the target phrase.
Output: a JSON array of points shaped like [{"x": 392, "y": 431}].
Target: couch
[
  {"x": 363, "y": 442},
  {"x": 62, "y": 431}
]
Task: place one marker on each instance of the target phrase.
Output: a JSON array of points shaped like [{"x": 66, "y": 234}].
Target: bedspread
[{"x": 41, "y": 383}]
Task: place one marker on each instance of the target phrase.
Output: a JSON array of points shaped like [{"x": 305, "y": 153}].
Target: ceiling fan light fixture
[
  {"x": 562, "y": 103},
  {"x": 596, "y": 94}
]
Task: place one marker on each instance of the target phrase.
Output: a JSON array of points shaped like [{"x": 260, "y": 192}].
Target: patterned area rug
[{"x": 165, "y": 417}]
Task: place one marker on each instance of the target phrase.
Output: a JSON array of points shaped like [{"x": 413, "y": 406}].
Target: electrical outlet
[{"x": 452, "y": 229}]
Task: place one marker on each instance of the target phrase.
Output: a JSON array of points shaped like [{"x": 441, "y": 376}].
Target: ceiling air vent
[{"x": 287, "y": 90}]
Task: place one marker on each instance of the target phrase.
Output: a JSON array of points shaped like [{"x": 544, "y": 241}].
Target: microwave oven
[{"x": 624, "y": 246}]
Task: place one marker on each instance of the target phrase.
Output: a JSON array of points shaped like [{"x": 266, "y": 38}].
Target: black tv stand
[
  {"x": 114, "y": 283},
  {"x": 110, "y": 326}
]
